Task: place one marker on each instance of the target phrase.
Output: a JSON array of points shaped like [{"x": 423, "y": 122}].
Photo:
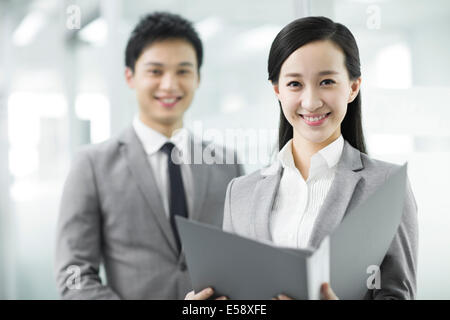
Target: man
[{"x": 121, "y": 196}]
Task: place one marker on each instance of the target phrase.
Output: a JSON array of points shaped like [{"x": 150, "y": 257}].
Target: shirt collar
[
  {"x": 325, "y": 158},
  {"x": 285, "y": 156},
  {"x": 152, "y": 140},
  {"x": 332, "y": 152}
]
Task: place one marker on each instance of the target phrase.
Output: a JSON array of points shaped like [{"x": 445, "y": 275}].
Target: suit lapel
[
  {"x": 340, "y": 194},
  {"x": 262, "y": 203},
  {"x": 142, "y": 173},
  {"x": 200, "y": 176}
]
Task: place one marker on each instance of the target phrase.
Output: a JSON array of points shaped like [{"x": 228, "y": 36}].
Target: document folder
[{"x": 242, "y": 268}]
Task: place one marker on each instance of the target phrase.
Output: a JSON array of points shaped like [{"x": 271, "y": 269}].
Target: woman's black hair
[
  {"x": 301, "y": 32},
  {"x": 160, "y": 26}
]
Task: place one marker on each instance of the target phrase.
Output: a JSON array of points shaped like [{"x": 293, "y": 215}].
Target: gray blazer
[
  {"x": 250, "y": 198},
  {"x": 111, "y": 212}
]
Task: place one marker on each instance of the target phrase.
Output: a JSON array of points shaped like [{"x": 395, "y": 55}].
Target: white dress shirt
[
  {"x": 298, "y": 202},
  {"x": 152, "y": 141}
]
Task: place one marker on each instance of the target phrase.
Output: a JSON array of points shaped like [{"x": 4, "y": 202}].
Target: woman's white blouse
[{"x": 298, "y": 202}]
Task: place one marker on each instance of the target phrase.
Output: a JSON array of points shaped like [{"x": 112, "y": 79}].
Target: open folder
[{"x": 242, "y": 268}]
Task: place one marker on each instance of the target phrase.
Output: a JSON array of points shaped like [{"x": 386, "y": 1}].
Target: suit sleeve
[
  {"x": 399, "y": 267},
  {"x": 227, "y": 223},
  {"x": 239, "y": 170},
  {"x": 78, "y": 246}
]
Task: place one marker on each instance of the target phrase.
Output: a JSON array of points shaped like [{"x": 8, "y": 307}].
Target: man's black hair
[{"x": 159, "y": 26}]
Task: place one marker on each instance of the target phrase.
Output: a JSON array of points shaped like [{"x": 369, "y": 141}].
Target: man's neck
[{"x": 165, "y": 129}]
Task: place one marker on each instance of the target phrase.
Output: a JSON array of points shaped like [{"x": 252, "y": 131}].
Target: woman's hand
[
  {"x": 202, "y": 295},
  {"x": 325, "y": 290}
]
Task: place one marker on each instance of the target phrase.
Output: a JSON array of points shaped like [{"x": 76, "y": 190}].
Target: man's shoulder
[{"x": 105, "y": 149}]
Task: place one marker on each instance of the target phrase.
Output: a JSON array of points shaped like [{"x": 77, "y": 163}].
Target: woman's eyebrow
[
  {"x": 321, "y": 73},
  {"x": 293, "y": 75},
  {"x": 327, "y": 72}
]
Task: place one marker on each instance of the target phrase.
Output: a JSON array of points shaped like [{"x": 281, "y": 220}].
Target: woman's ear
[
  {"x": 354, "y": 89},
  {"x": 276, "y": 89}
]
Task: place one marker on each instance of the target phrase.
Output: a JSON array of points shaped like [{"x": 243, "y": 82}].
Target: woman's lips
[{"x": 315, "y": 121}]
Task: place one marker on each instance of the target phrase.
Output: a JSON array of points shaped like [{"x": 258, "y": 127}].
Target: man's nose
[{"x": 168, "y": 82}]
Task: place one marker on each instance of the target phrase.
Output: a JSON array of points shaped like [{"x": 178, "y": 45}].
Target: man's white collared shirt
[{"x": 152, "y": 141}]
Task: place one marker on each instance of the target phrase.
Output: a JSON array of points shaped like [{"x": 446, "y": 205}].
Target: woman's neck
[{"x": 303, "y": 150}]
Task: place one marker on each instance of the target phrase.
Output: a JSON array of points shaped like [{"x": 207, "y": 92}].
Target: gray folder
[{"x": 241, "y": 268}]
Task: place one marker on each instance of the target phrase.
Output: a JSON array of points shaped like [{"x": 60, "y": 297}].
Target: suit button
[{"x": 183, "y": 266}]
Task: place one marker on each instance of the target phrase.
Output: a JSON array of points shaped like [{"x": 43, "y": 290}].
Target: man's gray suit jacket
[{"x": 111, "y": 212}]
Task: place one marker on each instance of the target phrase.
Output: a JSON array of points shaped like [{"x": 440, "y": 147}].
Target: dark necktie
[{"x": 177, "y": 197}]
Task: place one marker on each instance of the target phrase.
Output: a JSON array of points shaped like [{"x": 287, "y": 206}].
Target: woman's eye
[
  {"x": 294, "y": 84},
  {"x": 327, "y": 82}
]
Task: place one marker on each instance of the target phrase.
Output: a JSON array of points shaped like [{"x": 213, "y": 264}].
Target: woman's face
[{"x": 314, "y": 89}]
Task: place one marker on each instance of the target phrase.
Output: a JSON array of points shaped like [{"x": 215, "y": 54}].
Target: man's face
[{"x": 165, "y": 78}]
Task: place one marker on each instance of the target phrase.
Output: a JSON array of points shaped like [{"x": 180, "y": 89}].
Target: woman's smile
[{"x": 314, "y": 119}]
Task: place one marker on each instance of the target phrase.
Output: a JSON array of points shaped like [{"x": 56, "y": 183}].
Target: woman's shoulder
[
  {"x": 374, "y": 172},
  {"x": 376, "y": 166},
  {"x": 248, "y": 181},
  {"x": 357, "y": 160}
]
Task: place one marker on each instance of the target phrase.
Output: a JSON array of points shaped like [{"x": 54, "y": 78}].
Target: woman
[{"x": 314, "y": 68}]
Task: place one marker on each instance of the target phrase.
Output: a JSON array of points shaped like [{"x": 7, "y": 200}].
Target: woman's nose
[{"x": 311, "y": 100}]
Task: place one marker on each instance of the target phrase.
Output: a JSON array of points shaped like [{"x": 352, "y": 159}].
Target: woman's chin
[{"x": 314, "y": 137}]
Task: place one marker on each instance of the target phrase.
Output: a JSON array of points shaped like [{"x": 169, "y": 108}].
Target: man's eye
[
  {"x": 327, "y": 82},
  {"x": 184, "y": 71},
  {"x": 294, "y": 84},
  {"x": 154, "y": 71}
]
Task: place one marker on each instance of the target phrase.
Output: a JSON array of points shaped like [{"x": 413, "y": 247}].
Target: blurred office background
[{"x": 62, "y": 86}]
